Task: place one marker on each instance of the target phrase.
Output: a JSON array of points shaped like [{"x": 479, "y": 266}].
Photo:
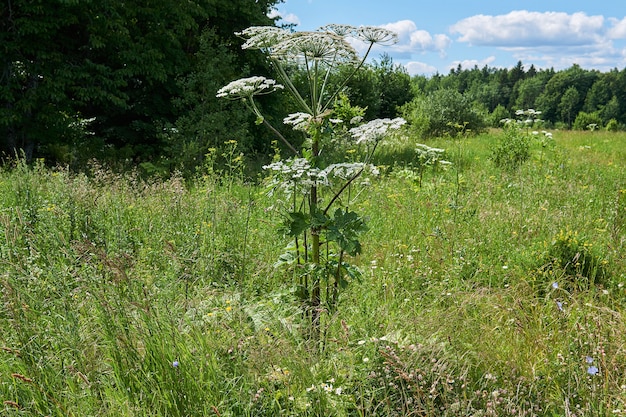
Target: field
[{"x": 484, "y": 292}]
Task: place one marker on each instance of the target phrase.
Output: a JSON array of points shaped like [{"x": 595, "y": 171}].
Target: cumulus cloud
[
  {"x": 419, "y": 68},
  {"x": 522, "y": 28},
  {"x": 288, "y": 18},
  {"x": 414, "y": 40},
  {"x": 618, "y": 29}
]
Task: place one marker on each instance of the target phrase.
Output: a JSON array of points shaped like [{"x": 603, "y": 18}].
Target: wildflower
[
  {"x": 248, "y": 87},
  {"x": 262, "y": 37},
  {"x": 373, "y": 34},
  {"x": 588, "y": 359},
  {"x": 375, "y": 130},
  {"x": 299, "y": 121},
  {"x": 592, "y": 370},
  {"x": 555, "y": 285},
  {"x": 341, "y": 30},
  {"x": 175, "y": 364},
  {"x": 559, "y": 305},
  {"x": 325, "y": 47}
]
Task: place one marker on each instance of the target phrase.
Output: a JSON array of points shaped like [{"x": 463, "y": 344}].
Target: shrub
[
  {"x": 585, "y": 121},
  {"x": 436, "y": 114},
  {"x": 612, "y": 126},
  {"x": 499, "y": 113}
]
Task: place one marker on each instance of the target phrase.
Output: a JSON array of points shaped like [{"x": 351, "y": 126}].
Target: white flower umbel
[
  {"x": 326, "y": 47},
  {"x": 262, "y": 37},
  {"x": 346, "y": 171},
  {"x": 248, "y": 87},
  {"x": 294, "y": 173},
  {"x": 299, "y": 120},
  {"x": 376, "y": 35},
  {"x": 374, "y": 131}
]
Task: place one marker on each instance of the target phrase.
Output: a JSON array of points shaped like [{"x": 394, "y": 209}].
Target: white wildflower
[
  {"x": 375, "y": 130},
  {"x": 341, "y": 30},
  {"x": 325, "y": 47},
  {"x": 248, "y": 87},
  {"x": 262, "y": 37},
  {"x": 373, "y": 34},
  {"x": 299, "y": 121}
]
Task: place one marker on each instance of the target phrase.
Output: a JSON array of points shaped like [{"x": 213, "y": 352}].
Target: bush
[
  {"x": 587, "y": 121},
  {"x": 612, "y": 126},
  {"x": 436, "y": 114},
  {"x": 513, "y": 148},
  {"x": 498, "y": 114}
]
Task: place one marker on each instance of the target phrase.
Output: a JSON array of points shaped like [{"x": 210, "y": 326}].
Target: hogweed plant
[{"x": 316, "y": 193}]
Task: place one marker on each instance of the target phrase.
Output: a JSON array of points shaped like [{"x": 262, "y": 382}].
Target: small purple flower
[
  {"x": 555, "y": 285},
  {"x": 175, "y": 364},
  {"x": 559, "y": 305},
  {"x": 588, "y": 359},
  {"x": 592, "y": 370}
]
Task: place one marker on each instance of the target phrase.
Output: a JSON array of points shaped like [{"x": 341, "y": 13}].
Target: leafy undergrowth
[{"x": 483, "y": 293}]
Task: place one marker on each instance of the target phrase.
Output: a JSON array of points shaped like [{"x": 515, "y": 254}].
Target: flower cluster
[
  {"x": 298, "y": 171},
  {"x": 262, "y": 37},
  {"x": 329, "y": 44},
  {"x": 430, "y": 156},
  {"x": 248, "y": 87},
  {"x": 375, "y": 130},
  {"x": 325, "y": 47},
  {"x": 299, "y": 121}
]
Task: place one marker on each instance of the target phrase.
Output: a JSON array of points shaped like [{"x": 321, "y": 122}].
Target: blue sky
[{"x": 441, "y": 34}]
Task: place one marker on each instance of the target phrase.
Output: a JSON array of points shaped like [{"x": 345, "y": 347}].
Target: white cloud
[
  {"x": 618, "y": 30},
  {"x": 419, "y": 68},
  {"x": 288, "y": 18},
  {"x": 413, "y": 40},
  {"x": 471, "y": 63},
  {"x": 523, "y": 28}
]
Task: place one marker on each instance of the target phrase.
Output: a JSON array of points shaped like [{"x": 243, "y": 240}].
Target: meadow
[{"x": 483, "y": 291}]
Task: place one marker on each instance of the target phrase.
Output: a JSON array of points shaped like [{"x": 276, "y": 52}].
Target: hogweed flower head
[
  {"x": 377, "y": 35},
  {"x": 299, "y": 121},
  {"x": 262, "y": 37},
  {"x": 339, "y": 29},
  {"x": 374, "y": 131},
  {"x": 326, "y": 47},
  {"x": 248, "y": 87}
]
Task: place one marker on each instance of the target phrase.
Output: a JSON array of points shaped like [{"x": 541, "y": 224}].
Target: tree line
[{"x": 134, "y": 82}]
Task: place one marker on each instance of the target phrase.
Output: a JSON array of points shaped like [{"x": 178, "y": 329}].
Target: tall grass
[{"x": 483, "y": 292}]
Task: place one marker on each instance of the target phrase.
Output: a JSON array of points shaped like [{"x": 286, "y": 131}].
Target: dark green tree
[
  {"x": 549, "y": 100},
  {"x": 118, "y": 63},
  {"x": 568, "y": 105},
  {"x": 395, "y": 86}
]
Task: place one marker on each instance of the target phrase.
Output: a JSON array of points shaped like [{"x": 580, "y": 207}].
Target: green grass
[{"x": 125, "y": 297}]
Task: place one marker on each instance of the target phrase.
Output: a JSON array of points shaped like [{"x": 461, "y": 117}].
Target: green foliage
[
  {"x": 573, "y": 263},
  {"x": 116, "y": 62},
  {"x": 568, "y": 104},
  {"x": 499, "y": 113},
  {"x": 612, "y": 126},
  {"x": 513, "y": 147},
  {"x": 433, "y": 114},
  {"x": 125, "y": 297},
  {"x": 313, "y": 184},
  {"x": 587, "y": 121}
]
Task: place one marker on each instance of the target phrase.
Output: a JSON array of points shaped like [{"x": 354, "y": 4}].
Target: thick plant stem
[{"x": 315, "y": 252}]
